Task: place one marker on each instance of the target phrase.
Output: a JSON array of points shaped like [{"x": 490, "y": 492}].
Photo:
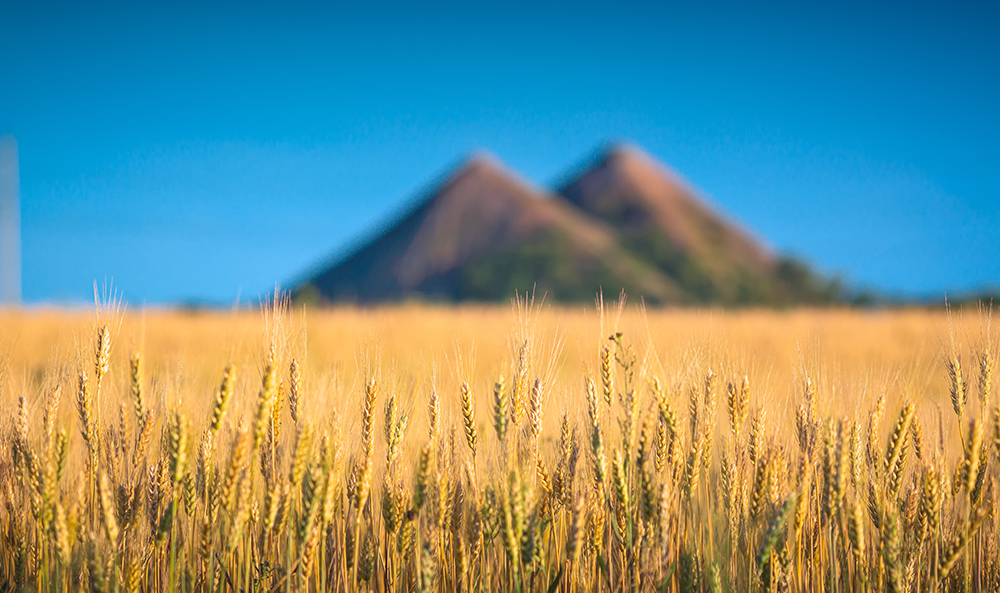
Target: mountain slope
[{"x": 479, "y": 236}]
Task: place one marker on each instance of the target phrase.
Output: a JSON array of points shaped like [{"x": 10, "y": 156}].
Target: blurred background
[{"x": 198, "y": 153}]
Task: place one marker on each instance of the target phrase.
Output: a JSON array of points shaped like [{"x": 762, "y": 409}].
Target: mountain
[
  {"x": 660, "y": 219},
  {"x": 480, "y": 235},
  {"x": 625, "y": 222}
]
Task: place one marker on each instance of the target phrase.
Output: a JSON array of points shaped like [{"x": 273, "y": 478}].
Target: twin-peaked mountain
[{"x": 624, "y": 223}]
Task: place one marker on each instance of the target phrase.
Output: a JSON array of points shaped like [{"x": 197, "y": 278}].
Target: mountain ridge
[{"x": 625, "y": 221}]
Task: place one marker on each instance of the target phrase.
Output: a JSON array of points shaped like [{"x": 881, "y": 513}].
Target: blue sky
[{"x": 196, "y": 151}]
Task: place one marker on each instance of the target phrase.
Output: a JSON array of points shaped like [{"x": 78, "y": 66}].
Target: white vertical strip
[{"x": 10, "y": 223}]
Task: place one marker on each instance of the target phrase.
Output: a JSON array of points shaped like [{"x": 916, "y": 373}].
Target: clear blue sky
[{"x": 193, "y": 152}]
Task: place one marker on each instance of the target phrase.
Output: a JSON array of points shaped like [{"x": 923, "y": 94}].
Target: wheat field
[{"x": 521, "y": 448}]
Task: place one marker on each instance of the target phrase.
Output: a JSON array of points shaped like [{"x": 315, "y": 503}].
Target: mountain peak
[
  {"x": 481, "y": 176},
  {"x": 479, "y": 161},
  {"x": 619, "y": 151}
]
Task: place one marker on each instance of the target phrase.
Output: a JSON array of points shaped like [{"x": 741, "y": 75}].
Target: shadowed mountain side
[
  {"x": 665, "y": 223},
  {"x": 479, "y": 236}
]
